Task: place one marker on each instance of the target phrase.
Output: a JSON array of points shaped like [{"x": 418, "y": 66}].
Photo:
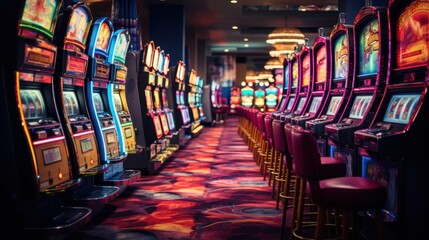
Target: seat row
[{"x": 321, "y": 200}]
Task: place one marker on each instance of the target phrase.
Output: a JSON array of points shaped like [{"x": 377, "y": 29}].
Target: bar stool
[
  {"x": 262, "y": 141},
  {"x": 267, "y": 163},
  {"x": 281, "y": 151},
  {"x": 345, "y": 194}
]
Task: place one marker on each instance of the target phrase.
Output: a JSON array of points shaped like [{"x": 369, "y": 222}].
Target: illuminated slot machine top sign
[{"x": 118, "y": 51}]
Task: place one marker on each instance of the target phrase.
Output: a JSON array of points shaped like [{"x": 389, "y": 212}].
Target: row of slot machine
[
  {"x": 362, "y": 93},
  {"x": 85, "y": 116},
  {"x": 265, "y": 99}
]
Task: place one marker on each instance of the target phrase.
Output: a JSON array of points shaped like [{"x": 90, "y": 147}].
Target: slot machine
[
  {"x": 389, "y": 149},
  {"x": 305, "y": 82},
  {"x": 247, "y": 95},
  {"x": 196, "y": 127},
  {"x": 369, "y": 79},
  {"x": 141, "y": 80},
  {"x": 271, "y": 98},
  {"x": 209, "y": 103},
  {"x": 260, "y": 98},
  {"x": 321, "y": 75},
  {"x": 181, "y": 111},
  {"x": 286, "y": 90},
  {"x": 71, "y": 34},
  {"x": 199, "y": 97},
  {"x": 117, "y": 99},
  {"x": 341, "y": 54},
  {"x": 294, "y": 85},
  {"x": 234, "y": 99},
  {"x": 166, "y": 97},
  {"x": 38, "y": 142},
  {"x": 100, "y": 103}
]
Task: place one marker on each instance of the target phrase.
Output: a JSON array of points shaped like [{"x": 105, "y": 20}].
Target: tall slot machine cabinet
[
  {"x": 286, "y": 90},
  {"x": 192, "y": 93},
  {"x": 199, "y": 97},
  {"x": 117, "y": 98},
  {"x": 389, "y": 149},
  {"x": 37, "y": 136},
  {"x": 259, "y": 97},
  {"x": 181, "y": 111},
  {"x": 160, "y": 98},
  {"x": 341, "y": 54},
  {"x": 99, "y": 101},
  {"x": 321, "y": 85},
  {"x": 294, "y": 85},
  {"x": 71, "y": 33},
  {"x": 305, "y": 81},
  {"x": 271, "y": 97},
  {"x": 369, "y": 79},
  {"x": 247, "y": 95}
]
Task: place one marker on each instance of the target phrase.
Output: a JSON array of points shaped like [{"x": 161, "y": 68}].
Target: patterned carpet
[{"x": 210, "y": 190}]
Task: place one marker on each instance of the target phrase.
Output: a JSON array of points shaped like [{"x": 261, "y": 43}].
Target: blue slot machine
[
  {"x": 321, "y": 75},
  {"x": 259, "y": 97},
  {"x": 390, "y": 149},
  {"x": 199, "y": 97},
  {"x": 369, "y": 79},
  {"x": 73, "y": 25},
  {"x": 305, "y": 81},
  {"x": 37, "y": 138},
  {"x": 341, "y": 75},
  {"x": 247, "y": 95},
  {"x": 98, "y": 95},
  {"x": 286, "y": 90},
  {"x": 117, "y": 99},
  {"x": 271, "y": 98}
]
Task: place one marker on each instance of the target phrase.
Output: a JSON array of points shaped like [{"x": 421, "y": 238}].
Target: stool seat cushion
[{"x": 350, "y": 193}]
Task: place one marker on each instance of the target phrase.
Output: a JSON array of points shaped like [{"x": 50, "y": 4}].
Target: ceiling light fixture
[
  {"x": 273, "y": 63},
  {"x": 286, "y": 35}
]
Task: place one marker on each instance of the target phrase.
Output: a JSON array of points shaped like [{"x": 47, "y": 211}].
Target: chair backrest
[
  {"x": 288, "y": 135},
  {"x": 268, "y": 120},
  {"x": 279, "y": 137},
  {"x": 261, "y": 125},
  {"x": 306, "y": 157}
]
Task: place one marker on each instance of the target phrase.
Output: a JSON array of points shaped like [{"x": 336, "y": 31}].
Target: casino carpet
[{"x": 210, "y": 190}]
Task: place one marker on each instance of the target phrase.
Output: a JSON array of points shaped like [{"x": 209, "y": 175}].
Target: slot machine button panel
[
  {"x": 40, "y": 134},
  {"x": 55, "y": 132},
  {"x": 77, "y": 128}
]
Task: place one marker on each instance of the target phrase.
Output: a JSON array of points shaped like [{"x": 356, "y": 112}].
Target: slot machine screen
[
  {"x": 51, "y": 155},
  {"x": 315, "y": 103},
  {"x": 103, "y": 37},
  {"x": 294, "y": 74},
  {"x": 282, "y": 103},
  {"x": 286, "y": 77},
  {"x": 360, "y": 105},
  {"x": 401, "y": 108},
  {"x": 290, "y": 104},
  {"x": 333, "y": 105},
  {"x": 98, "y": 102},
  {"x": 321, "y": 64},
  {"x": 110, "y": 137},
  {"x": 301, "y": 103},
  {"x": 182, "y": 98},
  {"x": 121, "y": 47},
  {"x": 70, "y": 102},
  {"x": 157, "y": 101},
  {"x": 306, "y": 70},
  {"x": 118, "y": 102},
  {"x": 128, "y": 132},
  {"x": 259, "y": 93},
  {"x": 178, "y": 97},
  {"x": 76, "y": 30},
  {"x": 39, "y": 14},
  {"x": 368, "y": 43},
  {"x": 148, "y": 96},
  {"x": 148, "y": 54},
  {"x": 341, "y": 60},
  {"x": 33, "y": 105},
  {"x": 86, "y": 145},
  {"x": 412, "y": 38},
  {"x": 164, "y": 99}
]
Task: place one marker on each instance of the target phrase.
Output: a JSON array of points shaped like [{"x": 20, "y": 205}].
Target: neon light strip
[
  {"x": 91, "y": 108},
  {"x": 127, "y": 124},
  {"x": 82, "y": 133},
  {"x": 115, "y": 116},
  {"x": 107, "y": 128},
  {"x": 48, "y": 140}
]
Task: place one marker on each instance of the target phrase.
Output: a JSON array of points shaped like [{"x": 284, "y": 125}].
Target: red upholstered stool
[
  {"x": 345, "y": 194},
  {"x": 262, "y": 141}
]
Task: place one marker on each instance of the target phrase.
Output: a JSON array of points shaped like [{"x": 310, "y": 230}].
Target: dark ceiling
[{"x": 212, "y": 21}]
